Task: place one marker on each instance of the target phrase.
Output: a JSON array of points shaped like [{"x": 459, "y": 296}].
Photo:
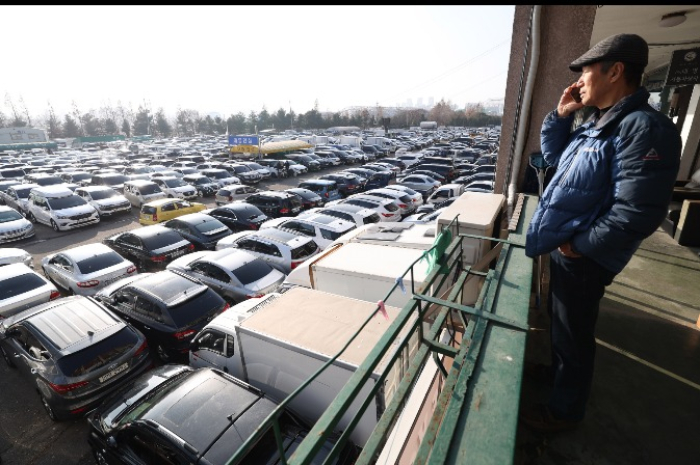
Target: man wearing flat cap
[{"x": 612, "y": 187}]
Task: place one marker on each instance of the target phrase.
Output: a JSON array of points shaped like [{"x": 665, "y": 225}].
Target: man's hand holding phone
[{"x": 570, "y": 101}]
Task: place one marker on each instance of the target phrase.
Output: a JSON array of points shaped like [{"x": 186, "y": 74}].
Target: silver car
[
  {"x": 21, "y": 287},
  {"x": 106, "y": 200},
  {"x": 13, "y": 226},
  {"x": 10, "y": 255},
  {"x": 17, "y": 197},
  {"x": 86, "y": 269},
  {"x": 281, "y": 249},
  {"x": 234, "y": 274}
]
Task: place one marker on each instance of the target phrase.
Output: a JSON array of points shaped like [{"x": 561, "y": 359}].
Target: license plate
[
  {"x": 114, "y": 372},
  {"x": 177, "y": 253}
]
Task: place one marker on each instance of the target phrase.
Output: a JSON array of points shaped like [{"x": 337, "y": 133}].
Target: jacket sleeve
[
  {"x": 554, "y": 136},
  {"x": 644, "y": 170}
]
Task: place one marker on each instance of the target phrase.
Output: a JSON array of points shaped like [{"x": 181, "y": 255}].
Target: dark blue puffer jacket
[{"x": 613, "y": 184}]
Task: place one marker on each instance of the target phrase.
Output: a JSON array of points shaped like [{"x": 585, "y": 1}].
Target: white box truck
[
  {"x": 352, "y": 141},
  {"x": 366, "y": 262},
  {"x": 278, "y": 341},
  {"x": 383, "y": 142}
]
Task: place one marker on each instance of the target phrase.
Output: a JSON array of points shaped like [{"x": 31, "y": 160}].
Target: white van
[
  {"x": 60, "y": 208},
  {"x": 140, "y": 191}
]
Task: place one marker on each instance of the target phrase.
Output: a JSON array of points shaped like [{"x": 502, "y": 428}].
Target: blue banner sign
[{"x": 242, "y": 140}]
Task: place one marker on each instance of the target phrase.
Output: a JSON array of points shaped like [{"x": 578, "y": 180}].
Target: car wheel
[
  {"x": 162, "y": 353},
  {"x": 7, "y": 358},
  {"x": 55, "y": 227},
  {"x": 48, "y": 408},
  {"x": 30, "y": 217}
]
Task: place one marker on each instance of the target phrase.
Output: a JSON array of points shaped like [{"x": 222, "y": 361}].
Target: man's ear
[{"x": 616, "y": 71}]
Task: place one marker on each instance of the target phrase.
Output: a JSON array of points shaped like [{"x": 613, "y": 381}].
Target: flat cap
[{"x": 627, "y": 48}]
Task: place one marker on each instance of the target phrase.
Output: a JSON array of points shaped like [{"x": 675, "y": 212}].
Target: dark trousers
[{"x": 576, "y": 287}]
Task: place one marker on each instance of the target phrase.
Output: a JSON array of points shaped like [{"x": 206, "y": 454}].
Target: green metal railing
[{"x": 478, "y": 323}]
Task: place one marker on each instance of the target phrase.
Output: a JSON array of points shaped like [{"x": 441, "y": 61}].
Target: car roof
[
  {"x": 280, "y": 194},
  {"x": 170, "y": 287},
  {"x": 277, "y": 235},
  {"x": 85, "y": 251},
  {"x": 149, "y": 231},
  {"x": 53, "y": 191},
  {"x": 14, "y": 269},
  {"x": 196, "y": 218},
  {"x": 159, "y": 202},
  {"x": 95, "y": 188},
  {"x": 327, "y": 220},
  {"x": 70, "y": 321},
  {"x": 140, "y": 182}
]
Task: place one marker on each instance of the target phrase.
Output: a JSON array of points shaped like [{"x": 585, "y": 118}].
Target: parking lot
[{"x": 27, "y": 435}]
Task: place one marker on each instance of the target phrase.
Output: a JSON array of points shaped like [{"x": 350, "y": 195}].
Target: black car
[
  {"x": 393, "y": 161},
  {"x": 374, "y": 179},
  {"x": 309, "y": 198},
  {"x": 347, "y": 184},
  {"x": 202, "y": 230},
  {"x": 275, "y": 204},
  {"x": 176, "y": 414},
  {"x": 238, "y": 216},
  {"x": 168, "y": 307},
  {"x": 74, "y": 352},
  {"x": 150, "y": 248}
]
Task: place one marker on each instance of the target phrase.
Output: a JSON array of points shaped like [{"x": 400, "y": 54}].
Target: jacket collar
[{"x": 625, "y": 106}]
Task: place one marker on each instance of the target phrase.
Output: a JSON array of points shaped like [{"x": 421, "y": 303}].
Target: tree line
[{"x": 112, "y": 120}]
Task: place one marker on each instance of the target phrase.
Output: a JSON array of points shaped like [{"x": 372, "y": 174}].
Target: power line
[
  {"x": 482, "y": 82},
  {"x": 450, "y": 71}
]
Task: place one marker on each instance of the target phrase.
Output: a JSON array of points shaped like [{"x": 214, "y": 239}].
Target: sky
[{"x": 231, "y": 59}]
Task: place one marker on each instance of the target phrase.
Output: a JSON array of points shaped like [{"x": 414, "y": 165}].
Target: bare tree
[
  {"x": 78, "y": 118},
  {"x": 25, "y": 110}
]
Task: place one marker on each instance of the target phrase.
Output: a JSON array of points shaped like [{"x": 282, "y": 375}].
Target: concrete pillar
[{"x": 690, "y": 134}]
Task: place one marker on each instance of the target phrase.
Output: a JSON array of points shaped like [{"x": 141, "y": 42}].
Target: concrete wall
[{"x": 565, "y": 33}]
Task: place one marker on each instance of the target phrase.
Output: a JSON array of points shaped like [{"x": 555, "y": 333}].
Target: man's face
[{"x": 594, "y": 86}]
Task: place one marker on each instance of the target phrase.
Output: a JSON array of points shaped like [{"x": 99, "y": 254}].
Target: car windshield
[
  {"x": 305, "y": 250},
  {"x": 80, "y": 177},
  {"x": 115, "y": 179},
  {"x": 69, "y": 201},
  {"x": 255, "y": 166},
  {"x": 209, "y": 226},
  {"x": 252, "y": 271},
  {"x": 11, "y": 215},
  {"x": 12, "y": 173},
  {"x": 149, "y": 189},
  {"x": 203, "y": 181},
  {"x": 49, "y": 180},
  {"x": 105, "y": 194},
  {"x": 99, "y": 262},
  {"x": 192, "y": 310},
  {"x": 98, "y": 354},
  {"x": 18, "y": 285},
  {"x": 162, "y": 239},
  {"x": 174, "y": 183}
]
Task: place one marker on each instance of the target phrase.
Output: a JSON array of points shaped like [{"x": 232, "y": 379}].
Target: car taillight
[
  {"x": 387, "y": 215},
  {"x": 143, "y": 347},
  {"x": 190, "y": 247},
  {"x": 254, "y": 296},
  {"x": 295, "y": 264},
  {"x": 54, "y": 295},
  {"x": 326, "y": 194},
  {"x": 155, "y": 217},
  {"x": 158, "y": 258},
  {"x": 230, "y": 198},
  {"x": 131, "y": 269},
  {"x": 284, "y": 211},
  {"x": 65, "y": 388},
  {"x": 253, "y": 226},
  {"x": 182, "y": 335},
  {"x": 226, "y": 307},
  {"x": 403, "y": 205},
  {"x": 90, "y": 283}
]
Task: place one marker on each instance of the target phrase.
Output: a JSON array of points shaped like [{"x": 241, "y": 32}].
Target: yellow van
[{"x": 157, "y": 211}]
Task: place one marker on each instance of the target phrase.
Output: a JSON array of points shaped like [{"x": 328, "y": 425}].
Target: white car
[
  {"x": 323, "y": 229},
  {"x": 175, "y": 187},
  {"x": 21, "y": 287},
  {"x": 13, "y": 226},
  {"x": 17, "y": 196},
  {"x": 106, "y": 200},
  {"x": 387, "y": 208},
  {"x": 416, "y": 196},
  {"x": 86, "y": 269},
  {"x": 9, "y": 255},
  {"x": 358, "y": 215},
  {"x": 58, "y": 207}
]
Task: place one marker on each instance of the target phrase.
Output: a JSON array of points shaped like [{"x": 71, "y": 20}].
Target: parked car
[
  {"x": 234, "y": 274},
  {"x": 325, "y": 188},
  {"x": 424, "y": 217},
  {"x": 245, "y": 173},
  {"x": 238, "y": 216},
  {"x": 140, "y": 421},
  {"x": 444, "y": 192},
  {"x": 206, "y": 187},
  {"x": 168, "y": 307},
  {"x": 387, "y": 208},
  {"x": 402, "y": 200},
  {"x": 282, "y": 250},
  {"x": 60, "y": 208},
  {"x": 321, "y": 228},
  {"x": 374, "y": 179},
  {"x": 86, "y": 269},
  {"x": 75, "y": 353},
  {"x": 255, "y": 166},
  {"x": 221, "y": 176},
  {"x": 42, "y": 179},
  {"x": 10, "y": 255},
  {"x": 14, "y": 226},
  {"x": 309, "y": 199},
  {"x": 422, "y": 183},
  {"x": 76, "y": 177},
  {"x": 234, "y": 192},
  {"x": 176, "y": 188},
  {"x": 358, "y": 215},
  {"x": 415, "y": 196},
  {"x": 17, "y": 197},
  {"x": 276, "y": 204},
  {"x": 202, "y": 230},
  {"x": 151, "y": 248},
  {"x": 157, "y": 211},
  {"x": 140, "y": 191},
  {"x": 114, "y": 180},
  {"x": 347, "y": 183},
  {"x": 104, "y": 199},
  {"x": 307, "y": 161},
  {"x": 21, "y": 287}
]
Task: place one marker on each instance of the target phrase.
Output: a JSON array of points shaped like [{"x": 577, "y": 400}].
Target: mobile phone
[{"x": 576, "y": 94}]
